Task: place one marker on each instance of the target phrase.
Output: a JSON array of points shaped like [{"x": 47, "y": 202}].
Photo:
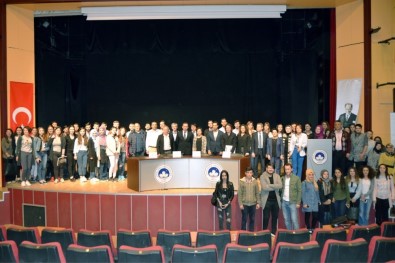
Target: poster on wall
[
  {"x": 21, "y": 112},
  {"x": 347, "y": 102}
]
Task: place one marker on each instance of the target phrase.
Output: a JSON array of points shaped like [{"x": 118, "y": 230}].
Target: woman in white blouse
[
  {"x": 297, "y": 150},
  {"x": 112, "y": 151}
]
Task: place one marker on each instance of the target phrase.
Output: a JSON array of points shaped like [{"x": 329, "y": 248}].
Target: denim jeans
[
  {"x": 364, "y": 211},
  {"x": 82, "y": 159},
  {"x": 290, "y": 214},
  {"x": 339, "y": 207},
  {"x": 103, "y": 173},
  {"x": 276, "y": 162},
  {"x": 121, "y": 164},
  {"x": 26, "y": 163},
  {"x": 248, "y": 212},
  {"x": 42, "y": 166},
  {"x": 227, "y": 213},
  {"x": 297, "y": 163}
]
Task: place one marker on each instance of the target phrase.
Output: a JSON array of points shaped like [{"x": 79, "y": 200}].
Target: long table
[{"x": 168, "y": 173}]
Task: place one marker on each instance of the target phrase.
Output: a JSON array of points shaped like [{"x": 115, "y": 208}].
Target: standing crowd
[{"x": 362, "y": 167}]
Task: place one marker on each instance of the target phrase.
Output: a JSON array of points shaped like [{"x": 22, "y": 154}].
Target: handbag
[
  {"x": 353, "y": 213},
  {"x": 10, "y": 169},
  {"x": 61, "y": 161}
]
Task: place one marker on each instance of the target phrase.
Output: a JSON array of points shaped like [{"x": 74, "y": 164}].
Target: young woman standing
[
  {"x": 224, "y": 191},
  {"x": 43, "y": 155},
  {"x": 25, "y": 154},
  {"x": 383, "y": 194},
  {"x": 56, "y": 146},
  {"x": 341, "y": 195},
  {"x": 310, "y": 199},
  {"x": 367, "y": 186},
  {"x": 81, "y": 153},
  {"x": 112, "y": 152}
]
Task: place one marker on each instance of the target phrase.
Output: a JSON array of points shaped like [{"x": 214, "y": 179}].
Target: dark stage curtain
[{"x": 274, "y": 70}]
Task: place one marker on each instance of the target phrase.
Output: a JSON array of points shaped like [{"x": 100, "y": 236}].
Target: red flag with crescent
[{"x": 21, "y": 105}]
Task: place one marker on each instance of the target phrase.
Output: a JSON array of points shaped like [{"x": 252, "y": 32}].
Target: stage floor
[{"x": 104, "y": 187}]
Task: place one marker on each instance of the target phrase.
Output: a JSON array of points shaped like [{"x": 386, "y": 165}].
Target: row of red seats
[{"x": 167, "y": 239}]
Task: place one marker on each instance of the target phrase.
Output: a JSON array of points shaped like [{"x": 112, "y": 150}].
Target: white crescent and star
[{"x": 21, "y": 110}]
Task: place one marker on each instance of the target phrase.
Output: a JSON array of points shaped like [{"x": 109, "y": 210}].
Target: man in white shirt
[
  {"x": 291, "y": 198},
  {"x": 164, "y": 142},
  {"x": 237, "y": 127},
  {"x": 152, "y": 138},
  {"x": 223, "y": 125}
]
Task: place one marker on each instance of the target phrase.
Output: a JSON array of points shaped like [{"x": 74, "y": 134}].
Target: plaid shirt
[{"x": 346, "y": 145}]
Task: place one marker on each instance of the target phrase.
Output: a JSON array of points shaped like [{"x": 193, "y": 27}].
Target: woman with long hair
[
  {"x": 122, "y": 139},
  {"x": 243, "y": 141},
  {"x": 71, "y": 161},
  {"x": 310, "y": 200},
  {"x": 57, "y": 144},
  {"x": 112, "y": 152},
  {"x": 81, "y": 153},
  {"x": 25, "y": 154},
  {"x": 17, "y": 135},
  {"x": 367, "y": 186},
  {"x": 297, "y": 147},
  {"x": 43, "y": 155},
  {"x": 199, "y": 141},
  {"x": 341, "y": 195},
  {"x": 326, "y": 196},
  {"x": 308, "y": 132},
  {"x": 50, "y": 169},
  {"x": 224, "y": 191},
  {"x": 36, "y": 149},
  {"x": 383, "y": 194},
  {"x": 354, "y": 189},
  {"x": 7, "y": 150}
]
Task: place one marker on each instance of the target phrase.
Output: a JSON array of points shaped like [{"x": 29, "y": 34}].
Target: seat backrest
[
  {"x": 137, "y": 239},
  {"x": 345, "y": 251},
  {"x": 218, "y": 238},
  {"x": 291, "y": 236},
  {"x": 207, "y": 254},
  {"x": 245, "y": 238},
  {"x": 254, "y": 253},
  {"x": 381, "y": 249},
  {"x": 167, "y": 239},
  {"x": 152, "y": 254},
  {"x": 388, "y": 229},
  {"x": 322, "y": 235},
  {"x": 49, "y": 252},
  {"x": 21, "y": 234},
  {"x": 77, "y": 253},
  {"x": 3, "y": 233},
  {"x": 304, "y": 252},
  {"x": 65, "y": 237},
  {"x": 9, "y": 251},
  {"x": 89, "y": 238},
  {"x": 365, "y": 232}
]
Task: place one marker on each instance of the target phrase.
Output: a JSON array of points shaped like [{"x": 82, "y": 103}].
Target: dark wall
[{"x": 274, "y": 70}]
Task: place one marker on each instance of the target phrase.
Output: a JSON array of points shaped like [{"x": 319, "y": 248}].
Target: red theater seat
[
  {"x": 65, "y": 237},
  {"x": 207, "y": 254},
  {"x": 9, "y": 251},
  {"x": 345, "y": 251},
  {"x": 98, "y": 254},
  {"x": 49, "y": 252},
  {"x": 251, "y": 254},
  {"x": 152, "y": 254},
  {"x": 167, "y": 240},
  {"x": 365, "y": 232},
  {"x": 322, "y": 235},
  {"x": 20, "y": 234},
  {"x": 131, "y": 238},
  {"x": 381, "y": 249},
  {"x": 291, "y": 236},
  {"x": 219, "y": 238},
  {"x": 89, "y": 238},
  {"x": 388, "y": 229},
  {"x": 3, "y": 233},
  {"x": 304, "y": 252},
  {"x": 246, "y": 238}
]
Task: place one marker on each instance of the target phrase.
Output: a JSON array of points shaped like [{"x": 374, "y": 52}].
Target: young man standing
[
  {"x": 291, "y": 197},
  {"x": 249, "y": 199}
]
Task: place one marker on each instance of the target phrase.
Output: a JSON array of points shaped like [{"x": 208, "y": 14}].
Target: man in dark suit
[
  {"x": 214, "y": 141},
  {"x": 164, "y": 142},
  {"x": 229, "y": 138},
  {"x": 185, "y": 140},
  {"x": 348, "y": 117},
  {"x": 174, "y": 134},
  {"x": 258, "y": 149},
  {"x": 275, "y": 151}
]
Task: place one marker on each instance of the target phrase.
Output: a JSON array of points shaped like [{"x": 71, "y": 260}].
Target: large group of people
[{"x": 362, "y": 167}]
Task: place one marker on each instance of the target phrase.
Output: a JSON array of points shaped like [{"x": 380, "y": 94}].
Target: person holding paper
[{"x": 229, "y": 140}]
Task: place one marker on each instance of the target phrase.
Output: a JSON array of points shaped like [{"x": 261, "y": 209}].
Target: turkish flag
[{"x": 21, "y": 105}]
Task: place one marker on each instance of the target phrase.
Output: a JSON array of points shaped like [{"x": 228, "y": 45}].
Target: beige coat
[{"x": 266, "y": 187}]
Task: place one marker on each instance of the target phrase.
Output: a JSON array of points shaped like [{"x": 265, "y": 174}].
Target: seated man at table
[{"x": 164, "y": 142}]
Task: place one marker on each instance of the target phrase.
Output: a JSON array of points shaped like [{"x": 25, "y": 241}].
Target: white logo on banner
[
  {"x": 21, "y": 110},
  {"x": 320, "y": 157},
  {"x": 213, "y": 171},
  {"x": 163, "y": 174}
]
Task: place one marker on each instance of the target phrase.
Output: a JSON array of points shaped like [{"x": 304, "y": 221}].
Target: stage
[{"x": 112, "y": 205}]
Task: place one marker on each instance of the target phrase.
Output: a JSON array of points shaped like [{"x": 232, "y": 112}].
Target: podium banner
[{"x": 319, "y": 156}]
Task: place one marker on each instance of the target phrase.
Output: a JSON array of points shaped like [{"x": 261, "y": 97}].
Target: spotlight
[{"x": 45, "y": 24}]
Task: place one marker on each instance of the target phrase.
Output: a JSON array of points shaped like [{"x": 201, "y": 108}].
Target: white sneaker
[
  {"x": 23, "y": 184},
  {"x": 62, "y": 180},
  {"x": 94, "y": 180},
  {"x": 28, "y": 183},
  {"x": 56, "y": 181},
  {"x": 83, "y": 179}
]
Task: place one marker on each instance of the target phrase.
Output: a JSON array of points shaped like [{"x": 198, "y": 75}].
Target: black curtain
[{"x": 272, "y": 70}]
